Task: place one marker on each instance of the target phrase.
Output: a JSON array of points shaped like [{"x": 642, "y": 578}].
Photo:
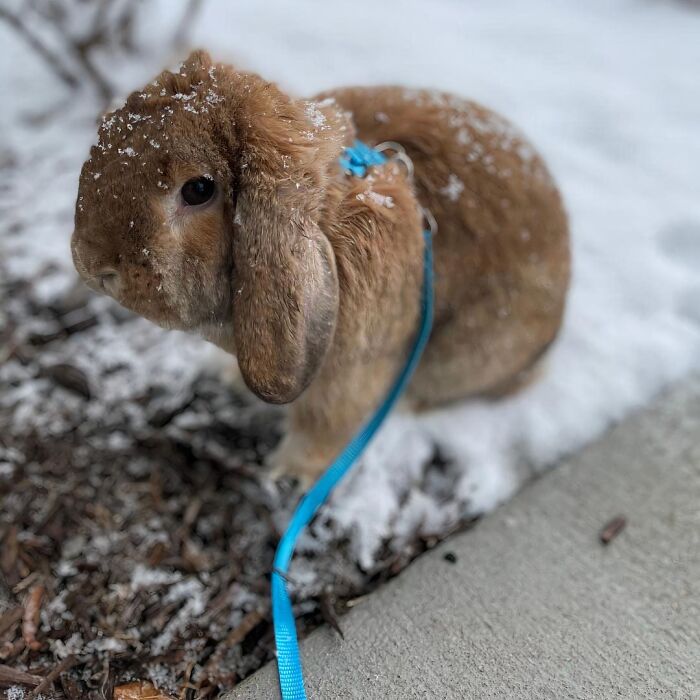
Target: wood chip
[
  {"x": 78, "y": 322},
  {"x": 32, "y": 614},
  {"x": 140, "y": 690},
  {"x": 10, "y": 618},
  {"x": 356, "y": 601},
  {"x": 53, "y": 675},
  {"x": 107, "y": 683},
  {"x": 238, "y": 634},
  {"x": 7, "y": 600},
  {"x": 235, "y": 636},
  {"x": 10, "y": 548},
  {"x": 71, "y": 689},
  {"x": 11, "y": 649},
  {"x": 12, "y": 676},
  {"x": 612, "y": 529},
  {"x": 329, "y": 614},
  {"x": 69, "y": 377}
]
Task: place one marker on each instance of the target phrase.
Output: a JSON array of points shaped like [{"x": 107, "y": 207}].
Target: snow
[
  {"x": 454, "y": 188},
  {"x": 192, "y": 592},
  {"x": 607, "y": 91},
  {"x": 378, "y": 199},
  {"x": 143, "y": 577},
  {"x": 315, "y": 115}
]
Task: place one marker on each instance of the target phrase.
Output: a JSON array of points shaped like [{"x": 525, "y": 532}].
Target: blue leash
[{"x": 356, "y": 160}]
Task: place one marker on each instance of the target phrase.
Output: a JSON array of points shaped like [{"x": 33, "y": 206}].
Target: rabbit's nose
[{"x": 108, "y": 281}]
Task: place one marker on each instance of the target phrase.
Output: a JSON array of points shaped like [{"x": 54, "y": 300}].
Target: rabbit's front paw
[{"x": 297, "y": 457}]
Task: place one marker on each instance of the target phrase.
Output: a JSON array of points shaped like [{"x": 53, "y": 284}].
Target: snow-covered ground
[{"x": 609, "y": 92}]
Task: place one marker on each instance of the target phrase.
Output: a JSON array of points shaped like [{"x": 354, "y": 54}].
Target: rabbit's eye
[{"x": 198, "y": 190}]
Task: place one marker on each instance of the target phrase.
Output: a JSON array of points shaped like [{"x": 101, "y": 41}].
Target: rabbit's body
[
  {"x": 502, "y": 251},
  {"x": 311, "y": 277}
]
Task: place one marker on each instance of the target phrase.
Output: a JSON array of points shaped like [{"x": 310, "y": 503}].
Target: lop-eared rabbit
[{"x": 215, "y": 203}]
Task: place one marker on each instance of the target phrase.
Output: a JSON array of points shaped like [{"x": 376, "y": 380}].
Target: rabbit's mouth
[
  {"x": 100, "y": 278},
  {"x": 106, "y": 282}
]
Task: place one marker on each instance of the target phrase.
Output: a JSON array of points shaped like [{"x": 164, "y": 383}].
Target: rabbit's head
[{"x": 199, "y": 209}]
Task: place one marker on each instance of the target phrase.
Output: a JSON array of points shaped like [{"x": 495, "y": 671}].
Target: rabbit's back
[{"x": 502, "y": 262}]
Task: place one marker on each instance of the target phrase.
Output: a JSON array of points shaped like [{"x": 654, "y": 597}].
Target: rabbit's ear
[{"x": 285, "y": 295}]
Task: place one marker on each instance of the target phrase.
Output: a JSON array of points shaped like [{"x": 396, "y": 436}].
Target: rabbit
[{"x": 214, "y": 203}]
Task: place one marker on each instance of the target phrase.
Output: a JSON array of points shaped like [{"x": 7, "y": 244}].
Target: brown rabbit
[{"x": 215, "y": 203}]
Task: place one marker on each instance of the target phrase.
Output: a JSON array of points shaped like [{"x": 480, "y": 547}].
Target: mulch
[{"x": 139, "y": 549}]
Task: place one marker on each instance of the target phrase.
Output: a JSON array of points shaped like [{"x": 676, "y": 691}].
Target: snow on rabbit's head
[{"x": 198, "y": 209}]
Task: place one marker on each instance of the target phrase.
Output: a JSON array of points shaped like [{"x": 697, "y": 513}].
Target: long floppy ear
[{"x": 286, "y": 285}]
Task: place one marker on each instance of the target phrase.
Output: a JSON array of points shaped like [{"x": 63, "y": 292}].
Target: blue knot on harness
[
  {"x": 355, "y": 161},
  {"x": 358, "y": 157}
]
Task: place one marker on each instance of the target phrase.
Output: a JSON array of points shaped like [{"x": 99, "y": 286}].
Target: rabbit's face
[
  {"x": 154, "y": 226},
  {"x": 198, "y": 209}
]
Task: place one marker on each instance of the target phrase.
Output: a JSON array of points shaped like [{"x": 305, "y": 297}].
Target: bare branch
[
  {"x": 191, "y": 11},
  {"x": 125, "y": 28},
  {"x": 82, "y": 54},
  {"x": 49, "y": 57},
  {"x": 111, "y": 25}
]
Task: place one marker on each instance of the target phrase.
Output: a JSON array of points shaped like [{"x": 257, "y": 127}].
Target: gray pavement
[{"x": 535, "y": 606}]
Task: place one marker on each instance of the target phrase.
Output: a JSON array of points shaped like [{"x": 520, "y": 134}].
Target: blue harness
[{"x": 355, "y": 161}]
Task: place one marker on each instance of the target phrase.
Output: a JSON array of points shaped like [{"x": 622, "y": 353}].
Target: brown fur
[{"x": 310, "y": 277}]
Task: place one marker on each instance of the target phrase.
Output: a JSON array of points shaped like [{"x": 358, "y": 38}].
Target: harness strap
[{"x": 355, "y": 160}]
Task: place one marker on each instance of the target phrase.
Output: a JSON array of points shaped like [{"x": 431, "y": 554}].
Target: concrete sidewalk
[{"x": 535, "y": 606}]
